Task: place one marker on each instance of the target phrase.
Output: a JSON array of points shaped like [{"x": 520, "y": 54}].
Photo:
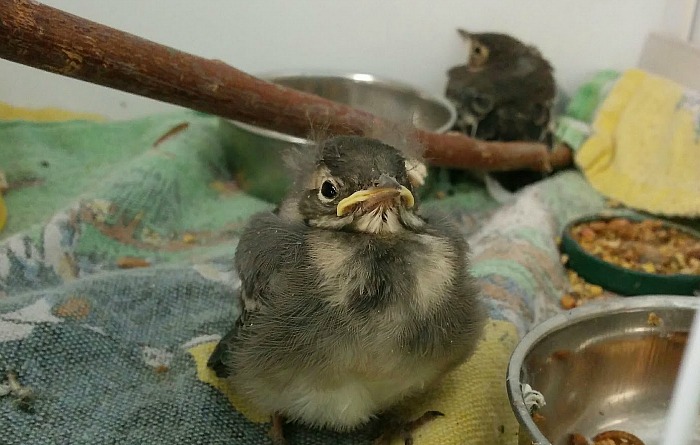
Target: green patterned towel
[{"x": 114, "y": 352}]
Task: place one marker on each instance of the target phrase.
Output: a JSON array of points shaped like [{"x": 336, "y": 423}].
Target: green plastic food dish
[{"x": 618, "y": 279}]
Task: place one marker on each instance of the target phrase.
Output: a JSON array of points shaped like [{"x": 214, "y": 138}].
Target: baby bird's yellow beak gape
[{"x": 386, "y": 191}]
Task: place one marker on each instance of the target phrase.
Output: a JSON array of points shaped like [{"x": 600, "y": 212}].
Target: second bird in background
[{"x": 505, "y": 92}]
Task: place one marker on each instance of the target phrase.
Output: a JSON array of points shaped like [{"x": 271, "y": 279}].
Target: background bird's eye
[
  {"x": 328, "y": 190},
  {"x": 479, "y": 55}
]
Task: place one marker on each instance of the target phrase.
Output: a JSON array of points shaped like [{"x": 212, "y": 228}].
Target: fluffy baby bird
[
  {"x": 352, "y": 298},
  {"x": 505, "y": 91}
]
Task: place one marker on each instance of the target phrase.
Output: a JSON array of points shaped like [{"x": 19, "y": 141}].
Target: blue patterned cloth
[{"x": 105, "y": 346}]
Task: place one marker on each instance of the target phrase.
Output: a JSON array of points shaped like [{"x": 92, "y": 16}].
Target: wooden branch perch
[{"x": 52, "y": 40}]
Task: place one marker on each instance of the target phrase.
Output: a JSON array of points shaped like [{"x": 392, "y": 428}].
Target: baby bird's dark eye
[{"x": 328, "y": 190}]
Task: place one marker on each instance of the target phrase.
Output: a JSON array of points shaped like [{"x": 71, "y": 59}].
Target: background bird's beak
[{"x": 386, "y": 191}]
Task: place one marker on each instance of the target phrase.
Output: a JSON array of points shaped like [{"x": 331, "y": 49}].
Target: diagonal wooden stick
[{"x": 52, "y": 40}]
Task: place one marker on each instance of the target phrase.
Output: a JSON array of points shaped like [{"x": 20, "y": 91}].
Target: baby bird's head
[
  {"x": 359, "y": 184},
  {"x": 496, "y": 50}
]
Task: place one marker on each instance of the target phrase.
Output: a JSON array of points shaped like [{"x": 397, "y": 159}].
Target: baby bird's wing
[
  {"x": 218, "y": 359},
  {"x": 268, "y": 243}
]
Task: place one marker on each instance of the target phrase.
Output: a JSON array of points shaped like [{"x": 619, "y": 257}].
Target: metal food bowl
[
  {"x": 255, "y": 153},
  {"x": 600, "y": 367}
]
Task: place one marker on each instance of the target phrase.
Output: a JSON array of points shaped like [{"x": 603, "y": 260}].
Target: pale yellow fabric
[
  {"x": 201, "y": 354},
  {"x": 645, "y": 147},
  {"x": 473, "y": 397},
  {"x": 3, "y": 212},
  {"x": 9, "y": 112}
]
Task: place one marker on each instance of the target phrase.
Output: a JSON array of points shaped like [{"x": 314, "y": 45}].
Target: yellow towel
[
  {"x": 3, "y": 212},
  {"x": 10, "y": 113},
  {"x": 473, "y": 397},
  {"x": 645, "y": 147}
]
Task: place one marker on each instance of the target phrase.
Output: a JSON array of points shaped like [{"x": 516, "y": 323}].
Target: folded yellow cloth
[
  {"x": 3, "y": 212},
  {"x": 645, "y": 146},
  {"x": 10, "y": 113},
  {"x": 473, "y": 397}
]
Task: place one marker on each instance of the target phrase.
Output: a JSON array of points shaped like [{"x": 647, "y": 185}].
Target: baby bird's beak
[{"x": 386, "y": 191}]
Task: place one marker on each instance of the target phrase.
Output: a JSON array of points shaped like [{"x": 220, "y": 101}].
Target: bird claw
[
  {"x": 404, "y": 430},
  {"x": 276, "y": 432}
]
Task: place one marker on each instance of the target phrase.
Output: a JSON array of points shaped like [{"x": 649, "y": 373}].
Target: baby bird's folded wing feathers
[{"x": 269, "y": 243}]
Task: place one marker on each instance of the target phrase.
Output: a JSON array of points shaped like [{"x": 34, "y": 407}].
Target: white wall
[
  {"x": 695, "y": 32},
  {"x": 409, "y": 40}
]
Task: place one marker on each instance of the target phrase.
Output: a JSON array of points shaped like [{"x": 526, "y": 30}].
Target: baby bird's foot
[
  {"x": 276, "y": 432},
  {"x": 403, "y": 429}
]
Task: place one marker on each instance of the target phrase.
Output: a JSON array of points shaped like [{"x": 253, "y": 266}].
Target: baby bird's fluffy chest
[
  {"x": 392, "y": 318},
  {"x": 386, "y": 288},
  {"x": 396, "y": 276}
]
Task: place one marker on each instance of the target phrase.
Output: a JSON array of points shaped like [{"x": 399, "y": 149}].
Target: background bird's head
[
  {"x": 356, "y": 183},
  {"x": 494, "y": 50}
]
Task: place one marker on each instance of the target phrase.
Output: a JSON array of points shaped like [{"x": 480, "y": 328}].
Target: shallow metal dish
[
  {"x": 255, "y": 153},
  {"x": 603, "y": 366},
  {"x": 386, "y": 98}
]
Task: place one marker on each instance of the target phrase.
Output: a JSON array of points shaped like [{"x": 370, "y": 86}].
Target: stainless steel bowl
[
  {"x": 600, "y": 367},
  {"x": 254, "y": 152}
]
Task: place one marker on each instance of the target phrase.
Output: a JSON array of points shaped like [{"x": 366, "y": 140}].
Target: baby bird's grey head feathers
[
  {"x": 357, "y": 184},
  {"x": 498, "y": 51}
]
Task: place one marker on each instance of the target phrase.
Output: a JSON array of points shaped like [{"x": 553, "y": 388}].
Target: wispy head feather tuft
[{"x": 399, "y": 133}]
